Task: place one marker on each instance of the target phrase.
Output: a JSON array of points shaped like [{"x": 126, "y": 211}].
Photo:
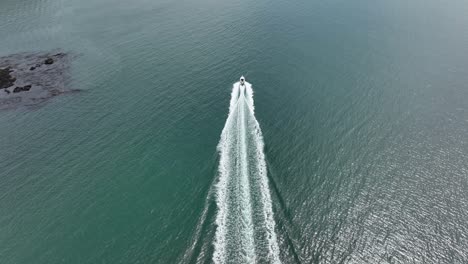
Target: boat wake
[{"x": 245, "y": 226}]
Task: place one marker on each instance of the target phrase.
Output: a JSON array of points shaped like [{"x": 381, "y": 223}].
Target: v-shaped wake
[{"x": 245, "y": 226}]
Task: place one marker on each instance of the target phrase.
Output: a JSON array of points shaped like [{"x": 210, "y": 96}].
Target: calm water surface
[{"x": 363, "y": 107}]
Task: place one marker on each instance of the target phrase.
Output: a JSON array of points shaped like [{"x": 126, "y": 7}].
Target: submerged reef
[{"x": 28, "y": 79}]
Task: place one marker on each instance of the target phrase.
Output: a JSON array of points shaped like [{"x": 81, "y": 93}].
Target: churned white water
[{"x": 245, "y": 226}]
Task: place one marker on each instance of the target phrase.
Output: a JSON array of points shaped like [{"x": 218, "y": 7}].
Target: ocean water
[{"x": 350, "y": 145}]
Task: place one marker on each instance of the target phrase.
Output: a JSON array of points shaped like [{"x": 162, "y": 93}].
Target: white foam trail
[
  {"x": 265, "y": 190},
  {"x": 248, "y": 231},
  {"x": 242, "y": 170},
  {"x": 224, "y": 175}
]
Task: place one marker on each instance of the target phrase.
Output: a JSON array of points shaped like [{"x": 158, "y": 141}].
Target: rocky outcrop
[
  {"x": 31, "y": 78},
  {"x": 49, "y": 61},
  {"x": 22, "y": 89},
  {"x": 6, "y": 80}
]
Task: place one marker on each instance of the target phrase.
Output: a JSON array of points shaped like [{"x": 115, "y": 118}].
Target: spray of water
[{"x": 245, "y": 227}]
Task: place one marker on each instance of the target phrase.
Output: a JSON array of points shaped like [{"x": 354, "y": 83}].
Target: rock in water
[
  {"x": 21, "y": 89},
  {"x": 6, "y": 80},
  {"x": 49, "y": 61},
  {"x": 27, "y": 82}
]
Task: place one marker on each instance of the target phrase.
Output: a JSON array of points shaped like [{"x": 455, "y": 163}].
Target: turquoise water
[{"x": 362, "y": 107}]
